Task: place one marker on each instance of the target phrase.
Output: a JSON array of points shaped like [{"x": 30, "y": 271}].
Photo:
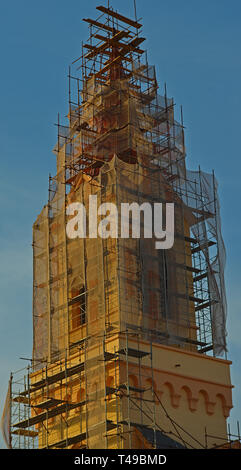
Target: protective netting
[
  {"x": 155, "y": 281},
  {"x": 207, "y": 231},
  {"x": 93, "y": 295},
  {"x": 40, "y": 286},
  {"x": 126, "y": 146}
]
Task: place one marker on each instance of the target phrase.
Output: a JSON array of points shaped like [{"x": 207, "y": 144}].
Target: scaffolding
[
  {"x": 97, "y": 301},
  {"x": 59, "y": 410},
  {"x": 122, "y": 134}
]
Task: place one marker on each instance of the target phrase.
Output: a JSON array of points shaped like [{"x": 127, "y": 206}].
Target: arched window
[{"x": 78, "y": 306}]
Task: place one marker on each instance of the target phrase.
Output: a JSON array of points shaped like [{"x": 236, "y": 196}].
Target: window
[{"x": 78, "y": 306}]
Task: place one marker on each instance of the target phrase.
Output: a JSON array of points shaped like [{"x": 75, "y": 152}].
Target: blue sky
[{"x": 196, "y": 49}]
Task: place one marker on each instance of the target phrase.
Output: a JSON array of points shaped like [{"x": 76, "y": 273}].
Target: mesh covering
[
  {"x": 208, "y": 229},
  {"x": 123, "y": 147},
  {"x": 40, "y": 286},
  {"x": 96, "y": 299}
]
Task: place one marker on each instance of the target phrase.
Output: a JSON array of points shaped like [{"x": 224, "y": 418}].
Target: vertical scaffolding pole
[
  {"x": 207, "y": 268},
  {"x": 29, "y": 400},
  {"x": 116, "y": 386},
  {"x": 10, "y": 410},
  {"x": 105, "y": 396},
  {"x": 66, "y": 260},
  {"x": 86, "y": 395},
  {"x": 128, "y": 393},
  {"x": 66, "y": 397},
  {"x": 47, "y": 421},
  {"x": 139, "y": 369},
  {"x": 219, "y": 266},
  {"x": 153, "y": 396},
  {"x": 48, "y": 282}
]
